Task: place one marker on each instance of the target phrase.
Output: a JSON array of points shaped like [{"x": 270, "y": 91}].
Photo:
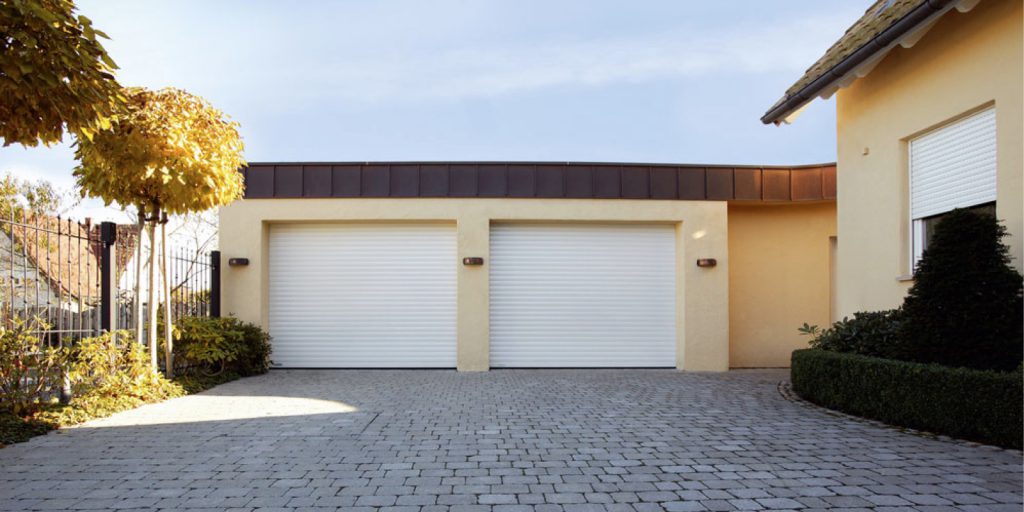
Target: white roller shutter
[
  {"x": 363, "y": 295},
  {"x": 954, "y": 166},
  {"x": 581, "y": 295}
]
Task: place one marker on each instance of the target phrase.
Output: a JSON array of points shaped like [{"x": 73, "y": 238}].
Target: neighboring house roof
[
  {"x": 884, "y": 25},
  {"x": 67, "y": 253}
]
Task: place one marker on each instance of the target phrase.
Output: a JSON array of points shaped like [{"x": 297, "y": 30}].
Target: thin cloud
[{"x": 496, "y": 71}]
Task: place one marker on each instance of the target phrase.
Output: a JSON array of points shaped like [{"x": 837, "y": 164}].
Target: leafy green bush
[
  {"x": 30, "y": 370},
  {"x": 114, "y": 365},
  {"x": 873, "y": 333},
  {"x": 965, "y": 308},
  {"x": 980, "y": 405},
  {"x": 111, "y": 373},
  {"x": 255, "y": 358},
  {"x": 210, "y": 346}
]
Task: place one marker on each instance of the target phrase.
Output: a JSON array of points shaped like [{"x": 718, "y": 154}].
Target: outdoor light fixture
[
  {"x": 472, "y": 261},
  {"x": 707, "y": 262},
  {"x": 238, "y": 262}
]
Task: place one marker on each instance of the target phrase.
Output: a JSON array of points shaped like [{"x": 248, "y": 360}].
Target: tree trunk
[
  {"x": 168, "y": 317},
  {"x": 152, "y": 294},
  {"x": 138, "y": 278}
]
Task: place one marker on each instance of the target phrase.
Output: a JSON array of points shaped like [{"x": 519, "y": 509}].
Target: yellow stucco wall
[
  {"x": 702, "y": 232},
  {"x": 966, "y": 62},
  {"x": 779, "y": 275}
]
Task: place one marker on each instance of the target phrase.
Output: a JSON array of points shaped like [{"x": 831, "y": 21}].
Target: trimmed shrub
[
  {"x": 972, "y": 404},
  {"x": 873, "y": 333},
  {"x": 965, "y": 308}
]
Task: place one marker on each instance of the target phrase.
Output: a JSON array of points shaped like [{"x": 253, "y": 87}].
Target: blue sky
[{"x": 567, "y": 80}]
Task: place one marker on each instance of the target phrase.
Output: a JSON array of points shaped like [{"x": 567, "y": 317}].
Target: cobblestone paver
[{"x": 503, "y": 441}]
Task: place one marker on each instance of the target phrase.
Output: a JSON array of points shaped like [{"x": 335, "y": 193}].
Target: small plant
[
  {"x": 30, "y": 370},
  {"x": 809, "y": 330}
]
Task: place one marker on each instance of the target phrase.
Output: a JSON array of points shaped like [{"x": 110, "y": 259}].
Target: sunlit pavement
[{"x": 573, "y": 440}]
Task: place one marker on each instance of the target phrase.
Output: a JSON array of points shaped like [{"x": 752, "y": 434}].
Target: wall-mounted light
[
  {"x": 707, "y": 262},
  {"x": 238, "y": 262},
  {"x": 473, "y": 261}
]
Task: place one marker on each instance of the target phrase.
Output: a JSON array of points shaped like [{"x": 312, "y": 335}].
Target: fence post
[
  {"x": 108, "y": 276},
  {"x": 215, "y": 284}
]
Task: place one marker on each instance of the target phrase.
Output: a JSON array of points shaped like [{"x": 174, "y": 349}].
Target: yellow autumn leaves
[{"x": 166, "y": 151}]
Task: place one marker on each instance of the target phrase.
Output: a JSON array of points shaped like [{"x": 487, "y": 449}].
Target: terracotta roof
[
  {"x": 884, "y": 18},
  {"x": 67, "y": 253}
]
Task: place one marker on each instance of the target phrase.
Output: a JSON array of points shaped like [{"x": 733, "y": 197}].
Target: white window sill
[{"x": 905, "y": 277}]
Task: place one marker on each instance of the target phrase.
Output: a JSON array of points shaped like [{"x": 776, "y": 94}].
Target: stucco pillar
[
  {"x": 473, "y": 301},
  {"x": 703, "y": 333}
]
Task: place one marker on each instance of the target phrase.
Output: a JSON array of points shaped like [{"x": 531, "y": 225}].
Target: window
[{"x": 953, "y": 166}]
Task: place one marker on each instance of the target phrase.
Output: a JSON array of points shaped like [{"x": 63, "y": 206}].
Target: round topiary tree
[
  {"x": 167, "y": 152},
  {"x": 965, "y": 308}
]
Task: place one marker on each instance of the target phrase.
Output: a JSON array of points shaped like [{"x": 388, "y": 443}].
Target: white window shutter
[{"x": 954, "y": 166}]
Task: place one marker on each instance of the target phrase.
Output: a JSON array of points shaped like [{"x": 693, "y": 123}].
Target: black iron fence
[
  {"x": 82, "y": 279},
  {"x": 191, "y": 276},
  {"x": 47, "y": 271}
]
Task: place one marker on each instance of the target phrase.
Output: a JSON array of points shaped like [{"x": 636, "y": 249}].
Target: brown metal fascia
[
  {"x": 868, "y": 49},
  {"x": 538, "y": 162},
  {"x": 613, "y": 181}
]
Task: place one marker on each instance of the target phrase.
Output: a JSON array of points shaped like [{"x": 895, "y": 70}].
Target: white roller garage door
[
  {"x": 581, "y": 295},
  {"x": 363, "y": 295}
]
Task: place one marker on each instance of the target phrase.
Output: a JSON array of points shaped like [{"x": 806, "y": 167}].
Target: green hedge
[{"x": 971, "y": 404}]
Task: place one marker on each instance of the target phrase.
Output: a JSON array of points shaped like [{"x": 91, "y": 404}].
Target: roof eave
[{"x": 791, "y": 103}]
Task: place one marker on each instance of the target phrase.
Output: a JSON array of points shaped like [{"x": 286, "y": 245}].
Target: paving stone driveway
[{"x": 573, "y": 440}]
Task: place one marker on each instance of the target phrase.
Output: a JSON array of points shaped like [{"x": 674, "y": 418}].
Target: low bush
[
  {"x": 108, "y": 374},
  {"x": 111, "y": 373},
  {"x": 972, "y": 404},
  {"x": 113, "y": 361},
  {"x": 211, "y": 346},
  {"x": 30, "y": 370},
  {"x": 255, "y": 358},
  {"x": 867, "y": 333}
]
